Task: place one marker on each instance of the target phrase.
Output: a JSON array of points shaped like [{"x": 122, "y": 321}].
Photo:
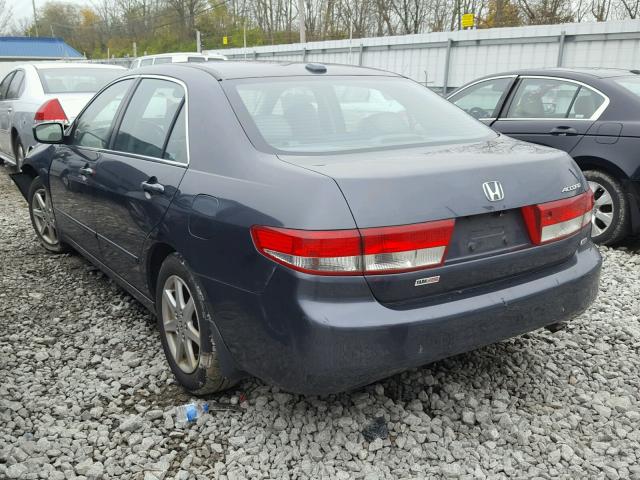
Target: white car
[
  {"x": 180, "y": 57},
  {"x": 44, "y": 91}
]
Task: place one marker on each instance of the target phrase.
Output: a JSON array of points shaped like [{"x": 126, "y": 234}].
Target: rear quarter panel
[{"x": 230, "y": 186}]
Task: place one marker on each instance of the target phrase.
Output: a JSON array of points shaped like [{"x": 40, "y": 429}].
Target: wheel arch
[
  {"x": 14, "y": 136},
  {"x": 602, "y": 164},
  {"x": 630, "y": 187},
  {"x": 156, "y": 255}
]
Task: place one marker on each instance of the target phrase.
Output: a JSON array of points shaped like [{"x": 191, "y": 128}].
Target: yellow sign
[
  {"x": 468, "y": 20},
  {"x": 225, "y": 41}
]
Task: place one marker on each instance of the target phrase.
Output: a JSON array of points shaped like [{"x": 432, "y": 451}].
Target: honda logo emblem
[{"x": 493, "y": 191}]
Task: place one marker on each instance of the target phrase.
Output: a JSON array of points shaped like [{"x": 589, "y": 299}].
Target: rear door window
[
  {"x": 543, "y": 98},
  {"x": 160, "y": 60},
  {"x": 482, "y": 99},
  {"x": 148, "y": 118},
  {"x": 93, "y": 126}
]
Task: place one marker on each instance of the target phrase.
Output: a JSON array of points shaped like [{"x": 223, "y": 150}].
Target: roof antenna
[{"x": 316, "y": 68}]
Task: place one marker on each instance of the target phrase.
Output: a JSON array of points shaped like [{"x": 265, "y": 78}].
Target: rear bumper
[{"x": 319, "y": 337}]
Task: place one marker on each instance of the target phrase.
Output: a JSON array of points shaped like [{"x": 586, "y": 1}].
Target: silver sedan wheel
[
  {"x": 43, "y": 217},
  {"x": 603, "y": 209},
  {"x": 181, "y": 326}
]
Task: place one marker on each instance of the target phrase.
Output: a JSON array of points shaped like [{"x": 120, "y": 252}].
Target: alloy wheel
[
  {"x": 181, "y": 325},
  {"x": 603, "y": 209},
  {"x": 43, "y": 217}
]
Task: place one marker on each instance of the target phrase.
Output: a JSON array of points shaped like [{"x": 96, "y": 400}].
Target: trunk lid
[{"x": 490, "y": 240}]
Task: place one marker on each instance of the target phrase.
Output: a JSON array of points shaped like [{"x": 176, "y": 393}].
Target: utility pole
[
  {"x": 35, "y": 16},
  {"x": 303, "y": 35},
  {"x": 198, "y": 44},
  {"x": 135, "y": 49},
  {"x": 244, "y": 38}
]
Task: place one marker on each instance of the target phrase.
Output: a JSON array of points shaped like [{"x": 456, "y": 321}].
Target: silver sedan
[{"x": 45, "y": 91}]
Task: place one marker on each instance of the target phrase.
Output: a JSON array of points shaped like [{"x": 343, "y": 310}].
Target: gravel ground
[{"x": 85, "y": 393}]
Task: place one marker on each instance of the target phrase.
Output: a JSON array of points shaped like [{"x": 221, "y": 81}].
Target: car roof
[
  {"x": 572, "y": 72},
  {"x": 171, "y": 54},
  {"x": 40, "y": 65},
  {"x": 233, "y": 69}
]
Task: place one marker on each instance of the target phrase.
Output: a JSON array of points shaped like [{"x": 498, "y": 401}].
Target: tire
[
  {"x": 18, "y": 154},
  {"x": 42, "y": 217},
  {"x": 195, "y": 365},
  {"x": 611, "y": 220}
]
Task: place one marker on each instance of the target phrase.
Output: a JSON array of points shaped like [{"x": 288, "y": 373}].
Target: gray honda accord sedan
[{"x": 317, "y": 226}]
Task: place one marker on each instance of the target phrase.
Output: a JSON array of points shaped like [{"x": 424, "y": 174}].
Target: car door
[
  {"x": 74, "y": 165},
  {"x": 5, "y": 117},
  {"x": 550, "y": 111},
  {"x": 483, "y": 100},
  {"x": 140, "y": 176}
]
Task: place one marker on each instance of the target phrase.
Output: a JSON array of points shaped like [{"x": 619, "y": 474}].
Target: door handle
[
  {"x": 86, "y": 171},
  {"x": 564, "y": 131},
  {"x": 152, "y": 187}
]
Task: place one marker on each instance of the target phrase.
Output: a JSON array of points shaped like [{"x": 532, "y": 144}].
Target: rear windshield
[
  {"x": 333, "y": 114},
  {"x": 630, "y": 83},
  {"x": 76, "y": 80}
]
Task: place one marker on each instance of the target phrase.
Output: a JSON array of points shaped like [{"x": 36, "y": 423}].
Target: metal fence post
[
  {"x": 304, "y": 54},
  {"x": 447, "y": 62},
  {"x": 563, "y": 34},
  {"x": 360, "y": 55}
]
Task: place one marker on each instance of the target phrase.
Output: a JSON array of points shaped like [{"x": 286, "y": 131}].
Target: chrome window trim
[
  {"x": 145, "y": 157},
  {"x": 596, "y": 115}
]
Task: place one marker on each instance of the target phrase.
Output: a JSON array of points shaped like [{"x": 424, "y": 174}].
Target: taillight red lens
[
  {"x": 559, "y": 219},
  {"x": 356, "y": 252},
  {"x": 51, "y": 111}
]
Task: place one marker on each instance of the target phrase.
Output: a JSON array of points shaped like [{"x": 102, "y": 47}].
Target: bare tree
[
  {"x": 600, "y": 9},
  {"x": 631, "y": 8},
  {"x": 411, "y": 15},
  {"x": 543, "y": 12},
  {"x": 6, "y": 18}
]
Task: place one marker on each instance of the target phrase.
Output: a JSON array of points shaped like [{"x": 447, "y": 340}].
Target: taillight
[
  {"x": 357, "y": 252},
  {"x": 559, "y": 219},
  {"x": 51, "y": 111},
  {"x": 333, "y": 252},
  {"x": 406, "y": 247}
]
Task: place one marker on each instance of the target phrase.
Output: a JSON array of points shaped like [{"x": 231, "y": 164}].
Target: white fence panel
[{"x": 450, "y": 59}]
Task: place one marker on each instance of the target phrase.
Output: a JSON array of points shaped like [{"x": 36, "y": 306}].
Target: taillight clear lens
[
  {"x": 559, "y": 219},
  {"x": 50, "y": 111},
  {"x": 356, "y": 252}
]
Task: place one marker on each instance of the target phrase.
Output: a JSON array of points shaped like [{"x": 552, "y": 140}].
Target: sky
[{"x": 23, "y": 8}]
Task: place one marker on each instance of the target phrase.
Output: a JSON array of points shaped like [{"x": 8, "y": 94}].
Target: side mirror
[{"x": 48, "y": 132}]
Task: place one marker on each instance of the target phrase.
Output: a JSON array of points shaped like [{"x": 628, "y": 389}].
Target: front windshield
[
  {"x": 630, "y": 83},
  {"x": 338, "y": 114}
]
